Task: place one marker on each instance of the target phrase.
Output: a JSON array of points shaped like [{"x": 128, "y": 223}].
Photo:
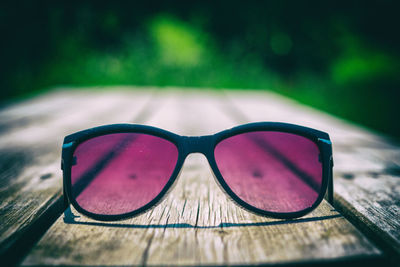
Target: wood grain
[
  {"x": 367, "y": 165},
  {"x": 196, "y": 223},
  {"x": 30, "y": 146}
]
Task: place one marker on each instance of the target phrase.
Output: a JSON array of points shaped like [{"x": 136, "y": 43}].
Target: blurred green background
[{"x": 338, "y": 56}]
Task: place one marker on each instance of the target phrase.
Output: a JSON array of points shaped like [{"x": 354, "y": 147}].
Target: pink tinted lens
[
  {"x": 119, "y": 173},
  {"x": 272, "y": 171}
]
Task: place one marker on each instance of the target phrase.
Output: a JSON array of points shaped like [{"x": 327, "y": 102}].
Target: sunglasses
[{"x": 114, "y": 172}]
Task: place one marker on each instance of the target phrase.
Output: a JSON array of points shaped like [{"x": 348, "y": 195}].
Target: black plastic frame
[{"x": 206, "y": 146}]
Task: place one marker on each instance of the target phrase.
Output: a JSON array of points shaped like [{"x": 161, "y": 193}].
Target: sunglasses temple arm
[
  {"x": 65, "y": 199},
  {"x": 330, "y": 184}
]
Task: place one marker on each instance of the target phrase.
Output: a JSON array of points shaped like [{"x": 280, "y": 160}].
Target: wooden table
[{"x": 196, "y": 224}]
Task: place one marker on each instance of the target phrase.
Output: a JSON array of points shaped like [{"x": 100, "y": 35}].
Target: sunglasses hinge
[
  {"x": 67, "y": 145},
  {"x": 326, "y": 141}
]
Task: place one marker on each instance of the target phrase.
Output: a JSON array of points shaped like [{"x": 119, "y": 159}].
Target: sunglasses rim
[{"x": 192, "y": 144}]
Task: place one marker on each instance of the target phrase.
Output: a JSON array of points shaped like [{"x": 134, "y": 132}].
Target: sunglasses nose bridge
[{"x": 198, "y": 144}]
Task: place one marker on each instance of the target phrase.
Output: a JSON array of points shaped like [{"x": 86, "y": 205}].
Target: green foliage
[
  {"x": 359, "y": 63},
  {"x": 177, "y": 43},
  {"x": 281, "y": 43}
]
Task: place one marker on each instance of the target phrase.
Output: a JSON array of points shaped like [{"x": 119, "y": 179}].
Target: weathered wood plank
[
  {"x": 367, "y": 165},
  {"x": 196, "y": 224},
  {"x": 30, "y": 179}
]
